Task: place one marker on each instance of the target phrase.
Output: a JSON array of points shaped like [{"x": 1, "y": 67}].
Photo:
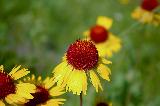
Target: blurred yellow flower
[
  {"x": 146, "y": 14},
  {"x": 105, "y": 41},
  {"x": 124, "y": 1},
  {"x": 11, "y": 92},
  {"x": 46, "y": 92},
  {"x": 81, "y": 59}
]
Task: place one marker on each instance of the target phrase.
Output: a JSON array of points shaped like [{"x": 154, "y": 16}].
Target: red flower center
[
  {"x": 82, "y": 55},
  {"x": 102, "y": 104},
  {"x": 149, "y": 5},
  {"x": 98, "y": 34},
  {"x": 7, "y": 85},
  {"x": 40, "y": 97}
]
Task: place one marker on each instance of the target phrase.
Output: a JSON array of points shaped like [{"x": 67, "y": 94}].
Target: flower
[
  {"x": 105, "y": 41},
  {"x": 80, "y": 60},
  {"x": 145, "y": 13},
  {"x": 12, "y": 92},
  {"x": 46, "y": 92}
]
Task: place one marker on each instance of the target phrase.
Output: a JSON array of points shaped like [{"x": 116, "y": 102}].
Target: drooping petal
[
  {"x": 95, "y": 80},
  {"x": 77, "y": 82},
  {"x": 105, "y": 61},
  {"x": 104, "y": 71},
  {"x": 105, "y": 22},
  {"x": 61, "y": 73},
  {"x": 25, "y": 89},
  {"x": 16, "y": 73},
  {"x": 56, "y": 91}
]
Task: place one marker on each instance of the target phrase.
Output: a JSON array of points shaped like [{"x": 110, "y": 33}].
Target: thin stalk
[{"x": 81, "y": 102}]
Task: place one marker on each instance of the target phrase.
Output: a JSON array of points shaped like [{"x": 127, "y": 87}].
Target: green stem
[{"x": 81, "y": 99}]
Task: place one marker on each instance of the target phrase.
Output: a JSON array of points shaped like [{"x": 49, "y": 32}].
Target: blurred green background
[{"x": 36, "y": 33}]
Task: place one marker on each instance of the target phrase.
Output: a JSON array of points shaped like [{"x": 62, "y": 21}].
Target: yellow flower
[
  {"x": 145, "y": 13},
  {"x": 12, "y": 92},
  {"x": 80, "y": 60},
  {"x": 46, "y": 92},
  {"x": 105, "y": 41}
]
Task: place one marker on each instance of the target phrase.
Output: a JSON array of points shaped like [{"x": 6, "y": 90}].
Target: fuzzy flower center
[
  {"x": 41, "y": 96},
  {"x": 102, "y": 104},
  {"x": 82, "y": 55},
  {"x": 149, "y": 5},
  {"x": 98, "y": 34},
  {"x": 7, "y": 85}
]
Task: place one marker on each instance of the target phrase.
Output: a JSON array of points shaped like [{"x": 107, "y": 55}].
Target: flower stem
[{"x": 81, "y": 99}]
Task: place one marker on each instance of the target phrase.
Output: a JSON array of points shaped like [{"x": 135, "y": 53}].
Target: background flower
[
  {"x": 146, "y": 12},
  {"x": 13, "y": 92},
  {"x": 46, "y": 92},
  {"x": 106, "y": 42}
]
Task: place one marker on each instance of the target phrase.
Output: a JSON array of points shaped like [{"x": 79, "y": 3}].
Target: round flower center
[
  {"x": 102, "y": 104},
  {"x": 98, "y": 34},
  {"x": 40, "y": 97},
  {"x": 7, "y": 85},
  {"x": 82, "y": 55},
  {"x": 149, "y": 5}
]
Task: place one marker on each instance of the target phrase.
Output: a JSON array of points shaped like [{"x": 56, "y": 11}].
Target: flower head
[
  {"x": 145, "y": 12},
  {"x": 105, "y": 41},
  {"x": 81, "y": 58},
  {"x": 149, "y": 5},
  {"x": 82, "y": 55},
  {"x": 46, "y": 92},
  {"x": 10, "y": 90}
]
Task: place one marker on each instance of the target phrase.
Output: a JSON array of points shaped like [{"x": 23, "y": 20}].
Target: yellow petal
[
  {"x": 61, "y": 73},
  {"x": 105, "y": 61},
  {"x": 104, "y": 71},
  {"x": 25, "y": 90},
  {"x": 142, "y": 15},
  {"x": 77, "y": 82},
  {"x": 1, "y": 68},
  {"x": 46, "y": 80},
  {"x": 106, "y": 49},
  {"x": 15, "y": 69},
  {"x": 95, "y": 80},
  {"x": 33, "y": 77},
  {"x": 39, "y": 78},
  {"x": 16, "y": 74},
  {"x": 54, "y": 102},
  {"x": 15, "y": 99},
  {"x": 49, "y": 83},
  {"x": 105, "y": 22},
  {"x": 1, "y": 103},
  {"x": 56, "y": 91}
]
